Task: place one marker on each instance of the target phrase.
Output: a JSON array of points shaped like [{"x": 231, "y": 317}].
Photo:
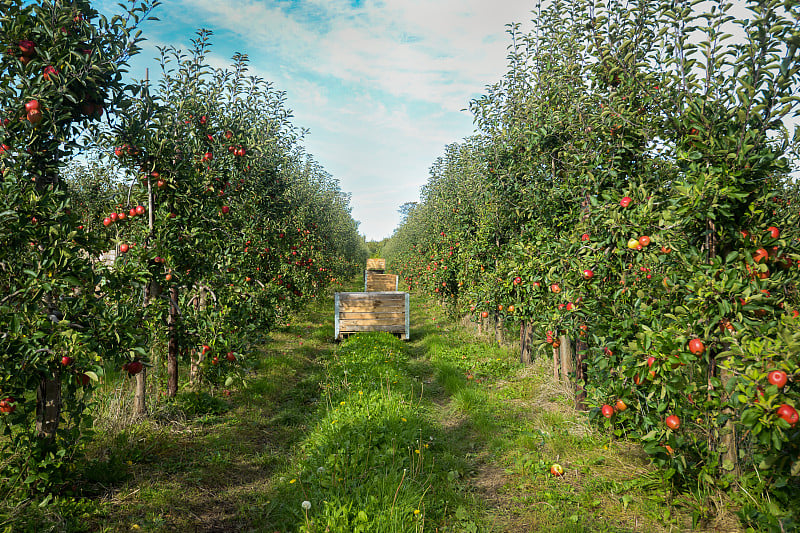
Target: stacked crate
[{"x": 379, "y": 308}]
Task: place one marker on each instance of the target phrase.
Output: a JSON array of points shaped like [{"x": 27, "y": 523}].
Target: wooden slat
[
  {"x": 380, "y": 295},
  {"x": 375, "y": 321},
  {"x": 388, "y": 308},
  {"x": 391, "y": 329},
  {"x": 400, "y": 316}
]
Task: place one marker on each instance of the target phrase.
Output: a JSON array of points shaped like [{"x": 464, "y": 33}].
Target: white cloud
[{"x": 439, "y": 52}]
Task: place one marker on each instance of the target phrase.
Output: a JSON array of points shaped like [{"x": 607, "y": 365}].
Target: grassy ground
[{"x": 445, "y": 432}]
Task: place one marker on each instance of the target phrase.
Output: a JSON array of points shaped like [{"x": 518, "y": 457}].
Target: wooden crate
[
  {"x": 374, "y": 282},
  {"x": 376, "y": 264},
  {"x": 357, "y": 312}
]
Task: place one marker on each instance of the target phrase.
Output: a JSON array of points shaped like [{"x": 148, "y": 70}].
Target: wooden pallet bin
[
  {"x": 377, "y": 265},
  {"x": 375, "y": 282},
  {"x": 358, "y": 312}
]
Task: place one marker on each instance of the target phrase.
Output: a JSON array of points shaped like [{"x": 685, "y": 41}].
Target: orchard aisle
[{"x": 442, "y": 433}]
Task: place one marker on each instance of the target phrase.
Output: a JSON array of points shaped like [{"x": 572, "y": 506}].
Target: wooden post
[
  {"x": 152, "y": 290},
  {"x": 172, "y": 346},
  {"x": 566, "y": 357},
  {"x": 556, "y": 364}
]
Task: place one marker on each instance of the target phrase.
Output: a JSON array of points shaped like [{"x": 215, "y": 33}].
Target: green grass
[{"x": 445, "y": 432}]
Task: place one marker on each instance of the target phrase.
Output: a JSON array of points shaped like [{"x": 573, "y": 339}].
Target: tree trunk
[
  {"x": 525, "y": 333},
  {"x": 195, "y": 358},
  {"x": 48, "y": 406},
  {"x": 581, "y": 370},
  {"x": 498, "y": 330},
  {"x": 730, "y": 455},
  {"x": 173, "y": 348},
  {"x": 140, "y": 397}
]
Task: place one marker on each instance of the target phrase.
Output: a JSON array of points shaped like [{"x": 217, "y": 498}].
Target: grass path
[{"x": 443, "y": 433}]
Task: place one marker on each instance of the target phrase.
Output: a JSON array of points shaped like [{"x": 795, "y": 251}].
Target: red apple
[
  {"x": 114, "y": 217},
  {"x": 607, "y": 411},
  {"x": 133, "y": 368},
  {"x": 49, "y": 71},
  {"x": 777, "y": 378},
  {"x": 132, "y": 212},
  {"x": 226, "y": 209},
  {"x": 587, "y": 274},
  {"x": 620, "y": 406},
  {"x": 231, "y": 356},
  {"x": 760, "y": 255},
  {"x": 673, "y": 422},
  {"x": 585, "y": 237},
  {"x": 206, "y": 349},
  {"x": 774, "y": 232},
  {"x": 557, "y": 470},
  {"x": 123, "y": 248},
  {"x": 644, "y": 240},
  {"x": 484, "y": 314},
  {"x": 788, "y": 413},
  {"x": 107, "y": 221},
  {"x": 208, "y": 156},
  {"x": 517, "y": 280},
  {"x": 696, "y": 346},
  {"x": 626, "y": 201},
  {"x": 66, "y": 360},
  {"x": 32, "y": 105},
  {"x": 555, "y": 288},
  {"x": 27, "y": 47},
  {"x": 34, "y": 116},
  {"x": 140, "y": 210},
  {"x": 7, "y": 405}
]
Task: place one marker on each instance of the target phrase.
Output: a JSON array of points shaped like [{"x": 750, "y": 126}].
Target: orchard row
[
  {"x": 629, "y": 194},
  {"x": 190, "y": 224}
]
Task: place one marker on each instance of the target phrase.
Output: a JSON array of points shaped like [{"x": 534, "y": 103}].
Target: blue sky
[{"x": 381, "y": 85}]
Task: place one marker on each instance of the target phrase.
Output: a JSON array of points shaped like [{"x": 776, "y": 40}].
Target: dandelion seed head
[{"x": 306, "y": 505}]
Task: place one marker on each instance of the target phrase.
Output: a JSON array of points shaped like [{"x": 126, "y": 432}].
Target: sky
[{"x": 382, "y": 85}]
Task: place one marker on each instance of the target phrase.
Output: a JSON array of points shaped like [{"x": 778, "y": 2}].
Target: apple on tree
[
  {"x": 673, "y": 422},
  {"x": 777, "y": 378},
  {"x": 8, "y": 405},
  {"x": 788, "y": 413}
]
